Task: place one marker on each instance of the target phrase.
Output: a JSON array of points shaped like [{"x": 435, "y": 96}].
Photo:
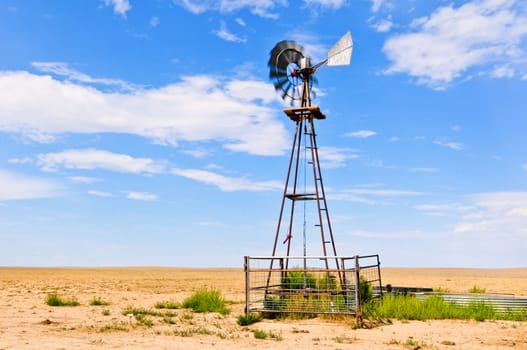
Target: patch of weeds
[
  {"x": 343, "y": 339},
  {"x": 205, "y": 300},
  {"x": 477, "y": 290},
  {"x": 441, "y": 290},
  {"x": 248, "y": 318},
  {"x": 105, "y": 312},
  {"x": 96, "y": 301},
  {"x": 411, "y": 342},
  {"x": 130, "y": 310},
  {"x": 145, "y": 321},
  {"x": 259, "y": 334},
  {"x": 168, "y": 320},
  {"x": 54, "y": 299},
  {"x": 167, "y": 304},
  {"x": 188, "y": 316},
  {"x": 114, "y": 327},
  {"x": 183, "y": 333}
]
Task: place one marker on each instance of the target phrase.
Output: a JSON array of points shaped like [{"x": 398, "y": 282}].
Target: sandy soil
[{"x": 26, "y": 322}]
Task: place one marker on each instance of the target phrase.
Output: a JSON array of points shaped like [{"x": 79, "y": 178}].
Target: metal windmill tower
[{"x": 293, "y": 76}]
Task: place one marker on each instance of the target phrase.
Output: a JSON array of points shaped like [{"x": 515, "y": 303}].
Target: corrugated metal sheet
[{"x": 501, "y": 303}]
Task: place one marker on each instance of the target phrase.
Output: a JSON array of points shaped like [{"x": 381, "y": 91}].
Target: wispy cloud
[
  {"x": 225, "y": 183},
  {"x": 452, "y": 39},
  {"x": 64, "y": 70},
  {"x": 372, "y": 194},
  {"x": 84, "y": 179},
  {"x": 334, "y": 157},
  {"x": 40, "y": 107},
  {"x": 154, "y": 21},
  {"x": 224, "y": 34},
  {"x": 452, "y": 145},
  {"x": 256, "y": 7},
  {"x": 361, "y": 134},
  {"x": 376, "y": 5},
  {"x": 119, "y": 6},
  {"x": 90, "y": 159},
  {"x": 502, "y": 72},
  {"x": 99, "y": 193},
  {"x": 15, "y": 186},
  {"x": 332, "y": 4},
  {"x": 425, "y": 170},
  {"x": 142, "y": 196},
  {"x": 384, "y": 25},
  {"x": 496, "y": 213}
]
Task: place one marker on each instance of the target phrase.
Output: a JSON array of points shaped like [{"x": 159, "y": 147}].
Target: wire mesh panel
[{"x": 310, "y": 284}]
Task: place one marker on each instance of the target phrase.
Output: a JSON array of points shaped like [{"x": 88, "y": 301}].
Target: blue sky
[{"x": 148, "y": 133}]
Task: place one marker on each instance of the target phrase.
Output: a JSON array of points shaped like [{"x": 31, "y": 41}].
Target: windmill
[{"x": 293, "y": 76}]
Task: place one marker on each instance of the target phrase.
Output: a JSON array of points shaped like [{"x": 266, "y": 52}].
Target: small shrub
[
  {"x": 259, "y": 334},
  {"x": 106, "y": 312},
  {"x": 171, "y": 305},
  {"x": 96, "y": 301},
  {"x": 477, "y": 290},
  {"x": 54, "y": 299},
  {"x": 299, "y": 280},
  {"x": 205, "y": 300},
  {"x": 248, "y": 318},
  {"x": 365, "y": 290}
]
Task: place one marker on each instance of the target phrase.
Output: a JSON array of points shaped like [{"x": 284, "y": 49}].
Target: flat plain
[{"x": 27, "y": 322}]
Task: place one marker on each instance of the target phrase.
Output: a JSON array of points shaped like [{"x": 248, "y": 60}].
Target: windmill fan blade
[
  {"x": 340, "y": 53},
  {"x": 280, "y": 83},
  {"x": 285, "y": 52},
  {"x": 277, "y": 73}
]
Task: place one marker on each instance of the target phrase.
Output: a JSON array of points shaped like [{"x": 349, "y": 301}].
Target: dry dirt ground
[{"x": 27, "y": 322}]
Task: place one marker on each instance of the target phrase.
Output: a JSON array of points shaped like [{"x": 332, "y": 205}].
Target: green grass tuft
[
  {"x": 248, "y": 318},
  {"x": 477, "y": 290},
  {"x": 205, "y": 300},
  {"x": 167, "y": 304},
  {"x": 54, "y": 299},
  {"x": 96, "y": 301}
]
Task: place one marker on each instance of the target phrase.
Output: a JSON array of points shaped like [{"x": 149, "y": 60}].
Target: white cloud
[
  {"x": 241, "y": 22},
  {"x": 260, "y": 8},
  {"x": 376, "y": 5},
  {"x": 333, "y": 4},
  {"x": 25, "y": 160},
  {"x": 225, "y": 183},
  {"x": 372, "y": 195},
  {"x": 451, "y": 40},
  {"x": 524, "y": 77},
  {"x": 142, "y": 196},
  {"x": 383, "y": 26},
  {"x": 90, "y": 159},
  {"x": 64, "y": 70},
  {"x": 196, "y": 109},
  {"x": 499, "y": 213},
  {"x": 425, "y": 170},
  {"x": 119, "y": 6},
  {"x": 84, "y": 179},
  {"x": 154, "y": 21},
  {"x": 361, "y": 134},
  {"x": 456, "y": 128},
  {"x": 334, "y": 157},
  {"x": 99, "y": 193},
  {"x": 443, "y": 209},
  {"x": 502, "y": 72},
  {"x": 15, "y": 186},
  {"x": 452, "y": 145},
  {"x": 224, "y": 34}
]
